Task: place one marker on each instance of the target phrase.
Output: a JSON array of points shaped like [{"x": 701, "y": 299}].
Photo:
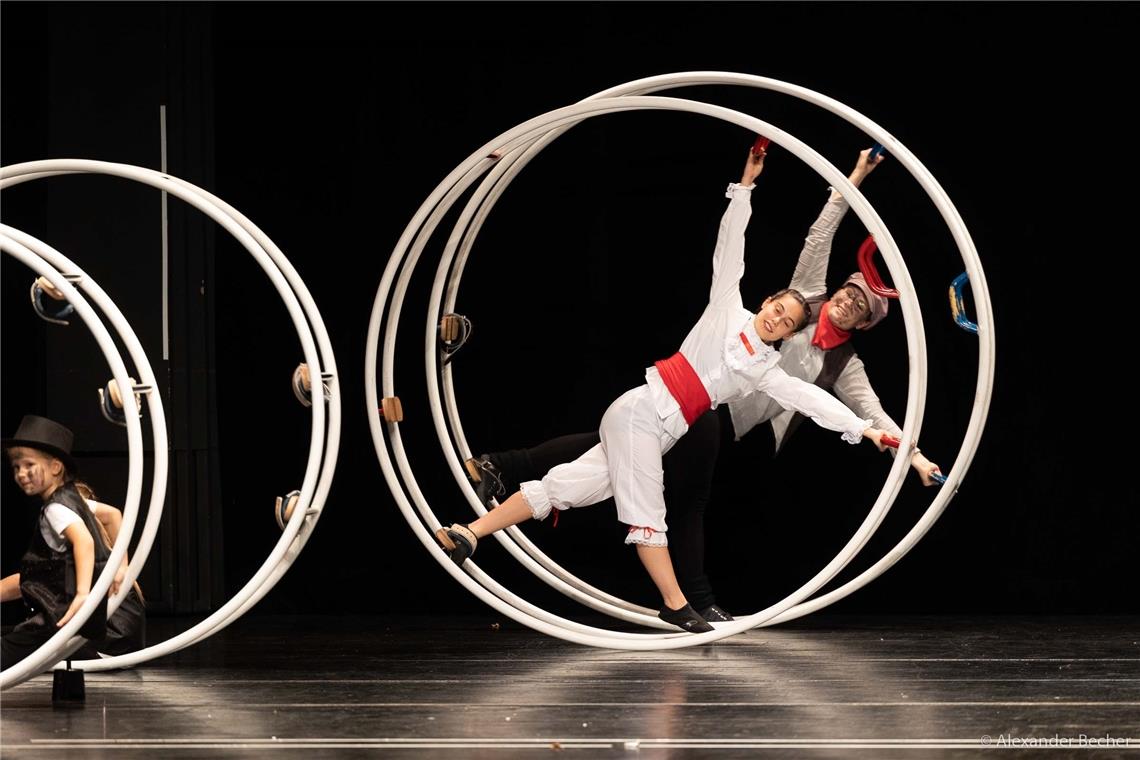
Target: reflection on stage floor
[{"x": 828, "y": 686}]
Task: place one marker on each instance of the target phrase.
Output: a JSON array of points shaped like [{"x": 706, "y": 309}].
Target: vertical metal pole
[{"x": 165, "y": 243}]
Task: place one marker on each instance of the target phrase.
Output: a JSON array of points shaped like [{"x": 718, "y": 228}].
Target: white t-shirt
[{"x": 57, "y": 519}]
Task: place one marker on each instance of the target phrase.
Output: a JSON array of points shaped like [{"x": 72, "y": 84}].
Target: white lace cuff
[
  {"x": 734, "y": 186},
  {"x": 857, "y": 437},
  {"x": 535, "y": 496},
  {"x": 646, "y": 536}
]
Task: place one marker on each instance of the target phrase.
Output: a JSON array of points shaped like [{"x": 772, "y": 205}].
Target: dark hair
[{"x": 799, "y": 298}]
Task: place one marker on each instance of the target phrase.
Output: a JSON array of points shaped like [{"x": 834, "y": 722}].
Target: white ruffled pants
[{"x": 625, "y": 465}]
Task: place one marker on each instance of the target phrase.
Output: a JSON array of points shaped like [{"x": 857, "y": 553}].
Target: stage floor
[{"x": 829, "y": 686}]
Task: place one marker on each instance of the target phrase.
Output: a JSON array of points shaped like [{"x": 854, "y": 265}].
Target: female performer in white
[{"x": 728, "y": 354}]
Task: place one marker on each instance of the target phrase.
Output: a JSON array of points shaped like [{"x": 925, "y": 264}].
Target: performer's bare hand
[
  {"x": 875, "y": 436},
  {"x": 752, "y": 168},
  {"x": 865, "y": 165},
  {"x": 76, "y": 603},
  {"x": 925, "y": 469}
]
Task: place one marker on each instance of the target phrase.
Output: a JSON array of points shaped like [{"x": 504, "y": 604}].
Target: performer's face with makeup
[
  {"x": 34, "y": 470},
  {"x": 777, "y": 318}
]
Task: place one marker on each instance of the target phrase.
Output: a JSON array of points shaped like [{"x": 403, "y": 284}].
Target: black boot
[
  {"x": 686, "y": 619},
  {"x": 487, "y": 479},
  {"x": 458, "y": 541}
]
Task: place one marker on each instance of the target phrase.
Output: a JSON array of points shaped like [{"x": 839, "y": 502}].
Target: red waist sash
[{"x": 684, "y": 385}]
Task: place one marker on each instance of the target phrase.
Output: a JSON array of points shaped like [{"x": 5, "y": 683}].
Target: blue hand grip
[{"x": 958, "y": 305}]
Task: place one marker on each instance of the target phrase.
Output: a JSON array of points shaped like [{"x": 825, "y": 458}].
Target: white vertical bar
[{"x": 165, "y": 244}]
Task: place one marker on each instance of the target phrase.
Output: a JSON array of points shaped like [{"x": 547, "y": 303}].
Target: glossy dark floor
[{"x": 825, "y": 687}]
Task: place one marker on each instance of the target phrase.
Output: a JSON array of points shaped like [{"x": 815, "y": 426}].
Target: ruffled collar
[{"x": 746, "y": 349}]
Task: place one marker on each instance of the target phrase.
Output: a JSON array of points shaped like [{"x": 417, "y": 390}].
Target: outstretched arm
[
  {"x": 812, "y": 401},
  {"x": 924, "y": 467},
  {"x": 853, "y": 387},
  {"x": 728, "y": 257},
  {"x": 864, "y": 166},
  {"x": 810, "y": 277},
  {"x": 752, "y": 168}
]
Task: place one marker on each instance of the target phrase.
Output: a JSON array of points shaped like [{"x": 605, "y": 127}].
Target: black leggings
[{"x": 689, "y": 468}]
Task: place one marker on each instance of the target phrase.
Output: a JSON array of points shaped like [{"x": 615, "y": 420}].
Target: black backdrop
[{"x": 329, "y": 124}]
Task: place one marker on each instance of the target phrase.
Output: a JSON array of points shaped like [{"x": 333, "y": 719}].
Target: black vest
[{"x": 47, "y": 577}]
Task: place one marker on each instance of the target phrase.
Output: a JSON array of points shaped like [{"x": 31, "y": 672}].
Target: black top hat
[{"x": 45, "y": 435}]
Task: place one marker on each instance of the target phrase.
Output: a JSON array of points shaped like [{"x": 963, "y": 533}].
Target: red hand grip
[
  {"x": 760, "y": 147},
  {"x": 867, "y": 267},
  {"x": 889, "y": 440}
]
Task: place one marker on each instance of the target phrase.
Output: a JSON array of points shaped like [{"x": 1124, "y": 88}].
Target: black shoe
[
  {"x": 458, "y": 541},
  {"x": 686, "y": 619},
  {"x": 487, "y": 479},
  {"x": 715, "y": 614}
]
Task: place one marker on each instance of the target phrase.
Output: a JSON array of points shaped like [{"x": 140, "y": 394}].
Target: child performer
[{"x": 64, "y": 556}]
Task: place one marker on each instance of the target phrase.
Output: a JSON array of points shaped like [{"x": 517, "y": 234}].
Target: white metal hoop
[
  {"x": 324, "y": 438},
  {"x": 455, "y": 183},
  {"x": 65, "y": 641},
  {"x": 511, "y": 164}
]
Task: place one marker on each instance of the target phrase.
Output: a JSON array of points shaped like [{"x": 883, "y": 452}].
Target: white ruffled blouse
[{"x": 722, "y": 360}]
